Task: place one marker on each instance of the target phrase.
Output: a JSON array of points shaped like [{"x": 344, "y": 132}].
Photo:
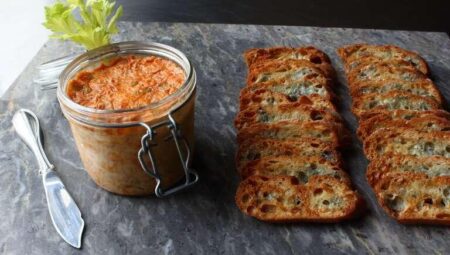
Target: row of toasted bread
[
  {"x": 289, "y": 133},
  {"x": 404, "y": 130}
]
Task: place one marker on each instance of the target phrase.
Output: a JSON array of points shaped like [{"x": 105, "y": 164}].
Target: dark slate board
[{"x": 205, "y": 219}]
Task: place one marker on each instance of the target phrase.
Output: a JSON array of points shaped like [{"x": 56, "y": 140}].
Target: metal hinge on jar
[{"x": 191, "y": 176}]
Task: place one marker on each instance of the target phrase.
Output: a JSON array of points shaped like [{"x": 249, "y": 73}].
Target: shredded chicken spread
[{"x": 126, "y": 83}]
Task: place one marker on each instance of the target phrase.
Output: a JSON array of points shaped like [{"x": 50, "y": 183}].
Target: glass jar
[{"x": 137, "y": 151}]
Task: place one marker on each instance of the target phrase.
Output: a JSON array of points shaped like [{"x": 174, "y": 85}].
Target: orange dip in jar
[
  {"x": 126, "y": 82},
  {"x": 113, "y": 96}
]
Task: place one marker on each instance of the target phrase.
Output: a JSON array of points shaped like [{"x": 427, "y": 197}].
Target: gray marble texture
[{"x": 203, "y": 220}]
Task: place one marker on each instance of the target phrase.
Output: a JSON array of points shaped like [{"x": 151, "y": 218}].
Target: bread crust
[
  {"x": 281, "y": 199},
  {"x": 354, "y": 52},
  {"x": 424, "y": 123},
  {"x": 317, "y": 57},
  {"x": 394, "y": 100},
  {"x": 283, "y": 112},
  {"x": 407, "y": 141},
  {"x": 284, "y": 70}
]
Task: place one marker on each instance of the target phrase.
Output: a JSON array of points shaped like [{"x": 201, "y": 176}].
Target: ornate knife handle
[{"x": 27, "y": 127}]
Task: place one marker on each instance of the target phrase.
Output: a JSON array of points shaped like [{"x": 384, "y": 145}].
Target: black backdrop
[{"x": 425, "y": 15}]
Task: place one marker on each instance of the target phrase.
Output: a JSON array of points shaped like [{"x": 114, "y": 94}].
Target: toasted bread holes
[
  {"x": 266, "y": 208},
  {"x": 315, "y": 145},
  {"x": 253, "y": 155},
  {"x": 294, "y": 181},
  {"x": 245, "y": 198},
  {"x": 394, "y": 202},
  {"x": 315, "y": 115},
  {"x": 429, "y": 148},
  {"x": 317, "y": 192},
  {"x": 302, "y": 177},
  {"x": 428, "y": 201},
  {"x": 316, "y": 60},
  {"x": 327, "y": 155},
  {"x": 297, "y": 201}
]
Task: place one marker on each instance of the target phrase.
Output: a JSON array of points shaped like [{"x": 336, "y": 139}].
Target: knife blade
[{"x": 64, "y": 212}]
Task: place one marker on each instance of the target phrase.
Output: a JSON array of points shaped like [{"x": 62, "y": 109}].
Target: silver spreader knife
[{"x": 64, "y": 212}]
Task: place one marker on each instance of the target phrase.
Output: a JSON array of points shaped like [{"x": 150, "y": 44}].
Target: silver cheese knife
[{"x": 64, "y": 212}]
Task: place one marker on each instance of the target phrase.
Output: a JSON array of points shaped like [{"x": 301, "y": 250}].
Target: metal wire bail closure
[{"x": 191, "y": 176}]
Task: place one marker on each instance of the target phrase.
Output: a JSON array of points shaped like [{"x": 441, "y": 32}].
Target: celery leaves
[{"x": 92, "y": 29}]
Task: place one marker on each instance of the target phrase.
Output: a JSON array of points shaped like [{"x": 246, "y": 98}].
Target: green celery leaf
[{"x": 93, "y": 30}]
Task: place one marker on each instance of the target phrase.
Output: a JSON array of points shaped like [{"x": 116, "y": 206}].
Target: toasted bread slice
[
  {"x": 354, "y": 53},
  {"x": 425, "y": 88},
  {"x": 294, "y": 90},
  {"x": 276, "y": 113},
  {"x": 429, "y": 167},
  {"x": 309, "y": 53},
  {"x": 264, "y": 97},
  {"x": 403, "y": 114},
  {"x": 303, "y": 85},
  {"x": 303, "y": 168},
  {"x": 383, "y": 71},
  {"x": 393, "y": 100},
  {"x": 406, "y": 141},
  {"x": 284, "y": 199},
  {"x": 257, "y": 148},
  {"x": 288, "y": 130},
  {"x": 425, "y": 123},
  {"x": 414, "y": 198},
  {"x": 370, "y": 59},
  {"x": 283, "y": 70}
]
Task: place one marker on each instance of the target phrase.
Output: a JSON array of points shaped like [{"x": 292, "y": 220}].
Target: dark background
[{"x": 431, "y": 15}]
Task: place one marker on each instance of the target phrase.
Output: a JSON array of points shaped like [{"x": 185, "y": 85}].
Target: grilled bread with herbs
[
  {"x": 286, "y": 71},
  {"x": 354, "y": 53},
  {"x": 427, "y": 122},
  {"x": 383, "y": 71},
  {"x": 293, "y": 90},
  {"x": 254, "y": 149},
  {"x": 403, "y": 114},
  {"x": 302, "y": 168},
  {"x": 287, "y": 130},
  {"x": 309, "y": 53},
  {"x": 264, "y": 97},
  {"x": 407, "y": 141},
  {"x": 288, "y": 135},
  {"x": 425, "y": 88},
  {"x": 414, "y": 198},
  {"x": 393, "y": 100},
  {"x": 285, "y": 199},
  {"x": 283, "y": 112},
  {"x": 429, "y": 167}
]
